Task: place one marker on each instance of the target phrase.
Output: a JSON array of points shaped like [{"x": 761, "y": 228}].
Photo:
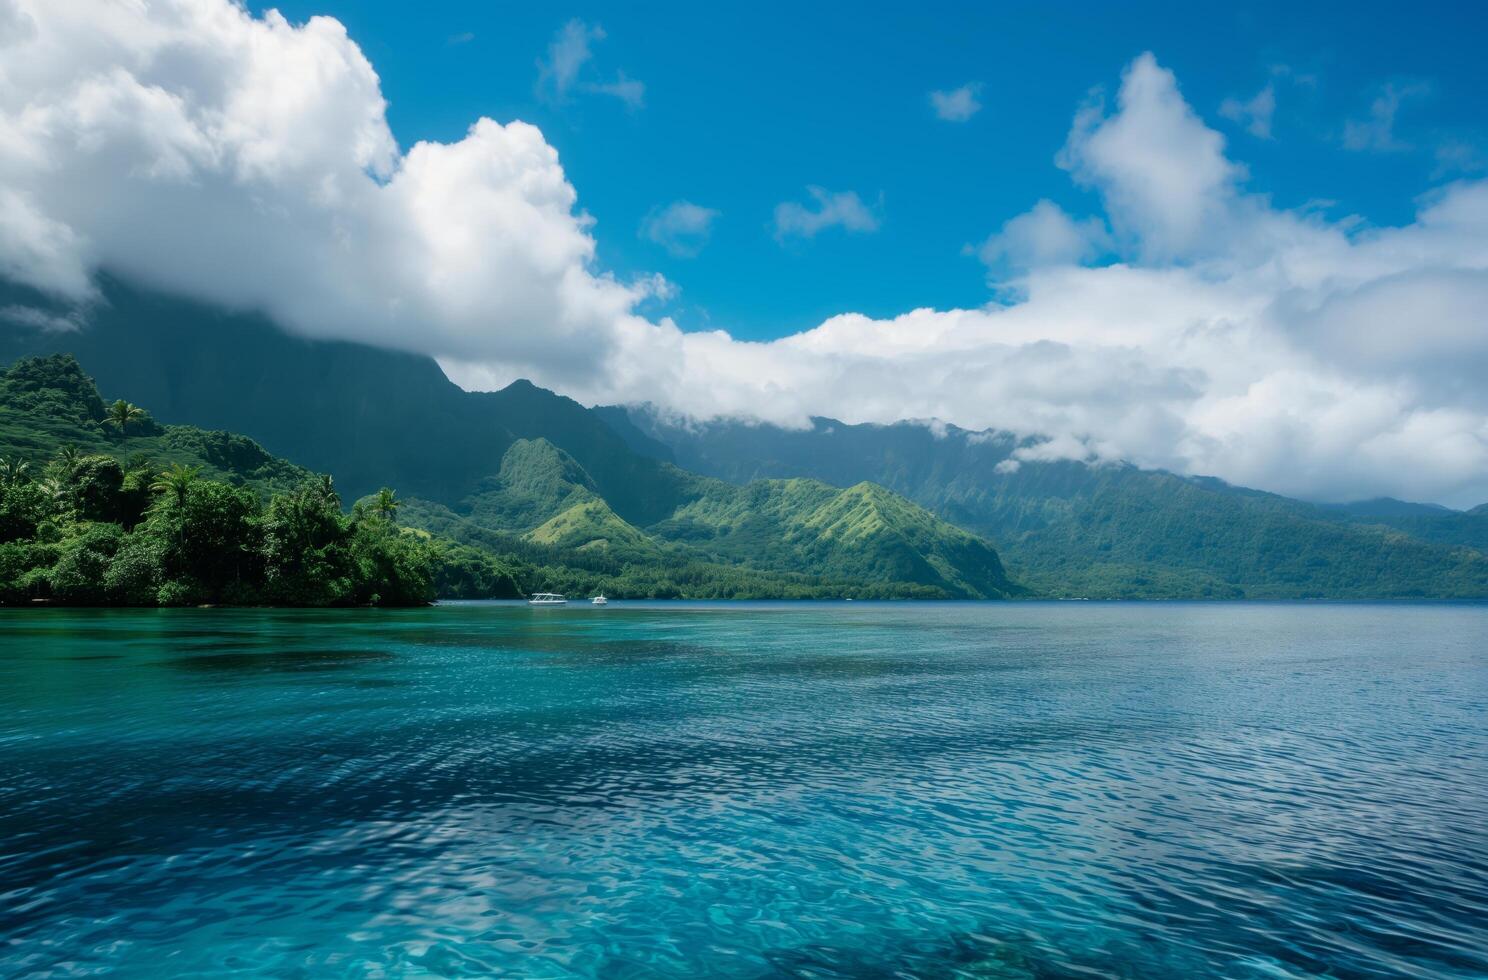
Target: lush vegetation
[
  {"x": 1063, "y": 528},
  {"x": 103, "y": 505},
  {"x": 1110, "y": 531},
  {"x": 772, "y": 538},
  {"x": 103, "y": 521}
]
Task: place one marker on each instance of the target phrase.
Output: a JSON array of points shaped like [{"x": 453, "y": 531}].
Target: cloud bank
[{"x": 192, "y": 147}]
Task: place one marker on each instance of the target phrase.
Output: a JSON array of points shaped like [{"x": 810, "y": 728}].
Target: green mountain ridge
[
  {"x": 1105, "y": 531},
  {"x": 50, "y": 402},
  {"x": 540, "y": 514},
  {"x": 863, "y": 534},
  {"x": 1065, "y": 528}
]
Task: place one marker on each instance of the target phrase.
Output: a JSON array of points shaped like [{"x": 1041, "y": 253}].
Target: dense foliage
[
  {"x": 1067, "y": 528},
  {"x": 779, "y": 538},
  {"x": 110, "y": 524},
  {"x": 123, "y": 510},
  {"x": 84, "y": 534}
]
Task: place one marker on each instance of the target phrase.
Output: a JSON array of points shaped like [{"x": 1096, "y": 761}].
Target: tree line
[{"x": 92, "y": 530}]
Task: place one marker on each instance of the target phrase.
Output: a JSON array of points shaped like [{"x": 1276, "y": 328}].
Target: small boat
[
  {"x": 599, "y": 600},
  {"x": 546, "y": 599}
]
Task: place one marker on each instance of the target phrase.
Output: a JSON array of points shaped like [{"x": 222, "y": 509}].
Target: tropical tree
[
  {"x": 175, "y": 481},
  {"x": 121, "y": 413},
  {"x": 14, "y": 470},
  {"x": 386, "y": 504},
  {"x": 57, "y": 493},
  {"x": 326, "y": 486},
  {"x": 66, "y": 459}
]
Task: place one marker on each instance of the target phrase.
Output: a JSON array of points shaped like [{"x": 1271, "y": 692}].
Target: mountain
[
  {"x": 50, "y": 402},
  {"x": 372, "y": 417},
  {"x": 858, "y": 537},
  {"x": 1068, "y": 528},
  {"x": 375, "y": 417},
  {"x": 105, "y": 506},
  {"x": 540, "y": 513},
  {"x": 1428, "y": 522}
]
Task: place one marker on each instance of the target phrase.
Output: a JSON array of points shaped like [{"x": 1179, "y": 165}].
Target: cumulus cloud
[
  {"x": 1043, "y": 235},
  {"x": 193, "y": 147},
  {"x": 1254, "y": 113},
  {"x": 957, "y": 104},
  {"x": 560, "y": 73},
  {"x": 682, "y": 228},
  {"x": 1163, "y": 174},
  {"x": 842, "y": 209}
]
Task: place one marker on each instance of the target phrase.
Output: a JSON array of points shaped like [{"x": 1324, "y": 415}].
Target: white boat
[
  {"x": 599, "y": 600},
  {"x": 546, "y": 599}
]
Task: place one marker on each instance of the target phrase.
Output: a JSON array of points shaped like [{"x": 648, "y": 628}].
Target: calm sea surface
[{"x": 859, "y": 790}]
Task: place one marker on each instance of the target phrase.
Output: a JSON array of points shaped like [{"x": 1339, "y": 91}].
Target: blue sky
[{"x": 745, "y": 106}]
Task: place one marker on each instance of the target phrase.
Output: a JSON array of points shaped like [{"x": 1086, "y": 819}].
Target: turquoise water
[{"x": 864, "y": 790}]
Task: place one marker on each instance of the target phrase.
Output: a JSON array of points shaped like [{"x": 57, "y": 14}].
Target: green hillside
[
  {"x": 46, "y": 403},
  {"x": 1112, "y": 531},
  {"x": 374, "y": 417},
  {"x": 861, "y": 532},
  {"x": 858, "y": 541},
  {"x": 538, "y": 521},
  {"x": 99, "y": 505}
]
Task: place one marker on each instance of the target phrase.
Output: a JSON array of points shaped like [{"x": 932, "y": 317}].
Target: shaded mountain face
[
  {"x": 369, "y": 416},
  {"x": 518, "y": 468},
  {"x": 50, "y": 402},
  {"x": 1069, "y": 528}
]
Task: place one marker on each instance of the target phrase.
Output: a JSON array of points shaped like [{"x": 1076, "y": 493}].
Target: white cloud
[
  {"x": 1377, "y": 132},
  {"x": 1043, "y": 235},
  {"x": 1254, "y": 113},
  {"x": 682, "y": 228},
  {"x": 957, "y": 104},
  {"x": 190, "y": 146},
  {"x": 1163, "y": 174},
  {"x": 842, "y": 209},
  {"x": 559, "y": 74}
]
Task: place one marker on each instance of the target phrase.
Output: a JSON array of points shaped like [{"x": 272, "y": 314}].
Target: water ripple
[{"x": 895, "y": 790}]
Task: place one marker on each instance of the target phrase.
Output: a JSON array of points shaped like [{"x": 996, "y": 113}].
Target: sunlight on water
[{"x": 976, "y": 790}]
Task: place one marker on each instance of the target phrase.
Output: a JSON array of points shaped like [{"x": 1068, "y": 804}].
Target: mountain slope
[
  {"x": 1424, "y": 521},
  {"x": 864, "y": 534},
  {"x": 370, "y": 416},
  {"x": 538, "y": 518},
  {"x": 1068, "y": 528},
  {"x": 50, "y": 402}
]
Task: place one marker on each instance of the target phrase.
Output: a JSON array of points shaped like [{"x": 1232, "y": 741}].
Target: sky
[
  {"x": 746, "y": 106},
  {"x": 1251, "y": 244}
]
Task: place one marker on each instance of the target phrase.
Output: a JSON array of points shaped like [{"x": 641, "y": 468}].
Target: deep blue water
[{"x": 864, "y": 790}]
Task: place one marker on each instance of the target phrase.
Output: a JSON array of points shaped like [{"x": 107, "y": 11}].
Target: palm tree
[
  {"x": 176, "y": 481},
  {"x": 121, "y": 413},
  {"x": 67, "y": 458},
  {"x": 386, "y": 504},
  {"x": 57, "y": 493},
  {"x": 14, "y": 470},
  {"x": 327, "y": 489}
]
